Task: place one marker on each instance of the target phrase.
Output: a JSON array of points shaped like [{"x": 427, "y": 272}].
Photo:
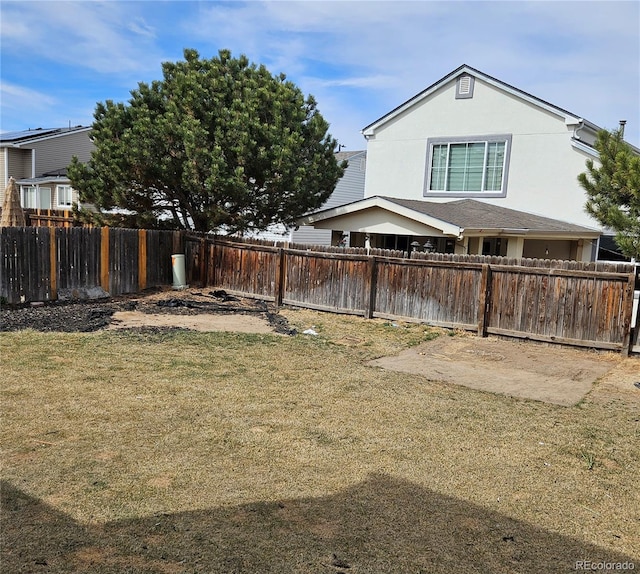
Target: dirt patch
[
  {"x": 201, "y": 322},
  {"x": 158, "y": 309},
  {"x": 524, "y": 369}
]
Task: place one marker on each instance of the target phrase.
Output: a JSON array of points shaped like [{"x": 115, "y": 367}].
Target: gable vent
[{"x": 464, "y": 87}]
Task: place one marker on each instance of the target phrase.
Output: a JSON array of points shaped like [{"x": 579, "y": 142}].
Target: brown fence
[
  {"x": 50, "y": 218},
  {"x": 45, "y": 263},
  {"x": 565, "y": 302},
  {"x": 586, "y": 304}
]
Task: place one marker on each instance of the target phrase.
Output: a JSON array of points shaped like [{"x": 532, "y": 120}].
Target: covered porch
[{"x": 465, "y": 227}]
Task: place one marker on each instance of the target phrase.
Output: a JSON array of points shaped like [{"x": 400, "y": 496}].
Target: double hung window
[
  {"x": 65, "y": 198},
  {"x": 468, "y": 166}
]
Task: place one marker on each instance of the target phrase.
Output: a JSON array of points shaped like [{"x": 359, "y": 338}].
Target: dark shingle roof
[
  {"x": 342, "y": 155},
  {"x": 26, "y": 135},
  {"x": 472, "y": 214}
]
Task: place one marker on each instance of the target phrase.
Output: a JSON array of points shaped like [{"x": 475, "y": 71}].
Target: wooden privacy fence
[
  {"x": 42, "y": 263},
  {"x": 563, "y": 302},
  {"x": 555, "y": 301}
]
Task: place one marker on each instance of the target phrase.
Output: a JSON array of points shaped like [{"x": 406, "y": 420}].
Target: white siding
[
  {"x": 543, "y": 166},
  {"x": 309, "y": 235}
]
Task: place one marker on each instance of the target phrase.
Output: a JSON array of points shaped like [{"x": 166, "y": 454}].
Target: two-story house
[
  {"x": 38, "y": 159},
  {"x": 472, "y": 165}
]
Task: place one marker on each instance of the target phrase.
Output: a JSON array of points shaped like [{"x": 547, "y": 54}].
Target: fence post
[
  {"x": 142, "y": 259},
  {"x": 280, "y": 277},
  {"x": 53, "y": 264},
  {"x": 203, "y": 261},
  {"x": 370, "y": 288},
  {"x": 627, "y": 310},
  {"x": 484, "y": 300},
  {"x": 104, "y": 258}
]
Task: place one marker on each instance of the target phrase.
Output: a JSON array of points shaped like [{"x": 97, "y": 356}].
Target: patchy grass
[{"x": 217, "y": 452}]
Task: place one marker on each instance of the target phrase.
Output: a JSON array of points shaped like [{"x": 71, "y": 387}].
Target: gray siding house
[
  {"x": 38, "y": 161},
  {"x": 350, "y": 188}
]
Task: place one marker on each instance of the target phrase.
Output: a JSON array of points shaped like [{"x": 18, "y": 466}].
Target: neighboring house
[
  {"x": 38, "y": 161},
  {"x": 349, "y": 188},
  {"x": 474, "y": 165}
]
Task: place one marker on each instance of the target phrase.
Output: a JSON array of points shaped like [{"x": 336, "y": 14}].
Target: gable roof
[
  {"x": 569, "y": 118},
  {"x": 20, "y": 138},
  {"x": 458, "y": 218}
]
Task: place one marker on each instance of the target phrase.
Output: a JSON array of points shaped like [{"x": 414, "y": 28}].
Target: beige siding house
[
  {"x": 38, "y": 160},
  {"x": 472, "y": 165}
]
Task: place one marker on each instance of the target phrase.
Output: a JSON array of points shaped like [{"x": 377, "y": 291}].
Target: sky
[{"x": 359, "y": 59}]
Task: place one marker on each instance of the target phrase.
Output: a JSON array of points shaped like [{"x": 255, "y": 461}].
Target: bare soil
[
  {"x": 200, "y": 310},
  {"x": 525, "y": 369}
]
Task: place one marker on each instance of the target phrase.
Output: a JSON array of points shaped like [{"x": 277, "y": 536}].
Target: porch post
[{"x": 515, "y": 246}]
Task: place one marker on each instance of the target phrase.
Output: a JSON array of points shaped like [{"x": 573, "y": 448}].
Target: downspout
[
  {"x": 33, "y": 163},
  {"x": 580, "y": 127},
  {"x": 5, "y": 175}
]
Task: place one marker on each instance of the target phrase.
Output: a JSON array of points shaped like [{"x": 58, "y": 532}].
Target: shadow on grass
[{"x": 382, "y": 525}]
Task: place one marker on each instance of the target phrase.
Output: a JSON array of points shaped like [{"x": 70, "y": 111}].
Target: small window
[
  {"x": 468, "y": 166},
  {"x": 65, "y": 196}
]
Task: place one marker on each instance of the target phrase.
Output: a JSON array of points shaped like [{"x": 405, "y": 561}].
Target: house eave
[
  {"x": 38, "y": 138},
  {"x": 446, "y": 228},
  {"x": 532, "y": 233}
]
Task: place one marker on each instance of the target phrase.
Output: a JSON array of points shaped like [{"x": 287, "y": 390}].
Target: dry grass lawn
[{"x": 185, "y": 452}]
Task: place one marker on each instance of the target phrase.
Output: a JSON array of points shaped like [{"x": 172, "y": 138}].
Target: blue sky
[{"x": 360, "y": 59}]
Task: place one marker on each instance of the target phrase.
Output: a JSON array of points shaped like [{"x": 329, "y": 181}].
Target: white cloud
[
  {"x": 19, "y": 98},
  {"x": 360, "y": 59},
  {"x": 92, "y": 35}
]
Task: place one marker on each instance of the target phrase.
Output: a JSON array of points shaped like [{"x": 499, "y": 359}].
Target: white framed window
[
  {"x": 468, "y": 166},
  {"x": 65, "y": 196},
  {"x": 36, "y": 197}
]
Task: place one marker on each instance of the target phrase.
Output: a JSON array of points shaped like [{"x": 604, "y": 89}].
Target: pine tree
[
  {"x": 218, "y": 143},
  {"x": 613, "y": 190}
]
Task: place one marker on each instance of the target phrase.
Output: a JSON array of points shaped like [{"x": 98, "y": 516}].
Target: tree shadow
[{"x": 381, "y": 525}]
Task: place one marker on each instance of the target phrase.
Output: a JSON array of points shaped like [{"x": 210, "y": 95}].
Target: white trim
[
  {"x": 569, "y": 119},
  {"x": 585, "y": 148},
  {"x": 65, "y": 186},
  {"x": 5, "y": 152},
  {"x": 33, "y": 163},
  {"x": 445, "y": 227},
  {"x": 37, "y": 196}
]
